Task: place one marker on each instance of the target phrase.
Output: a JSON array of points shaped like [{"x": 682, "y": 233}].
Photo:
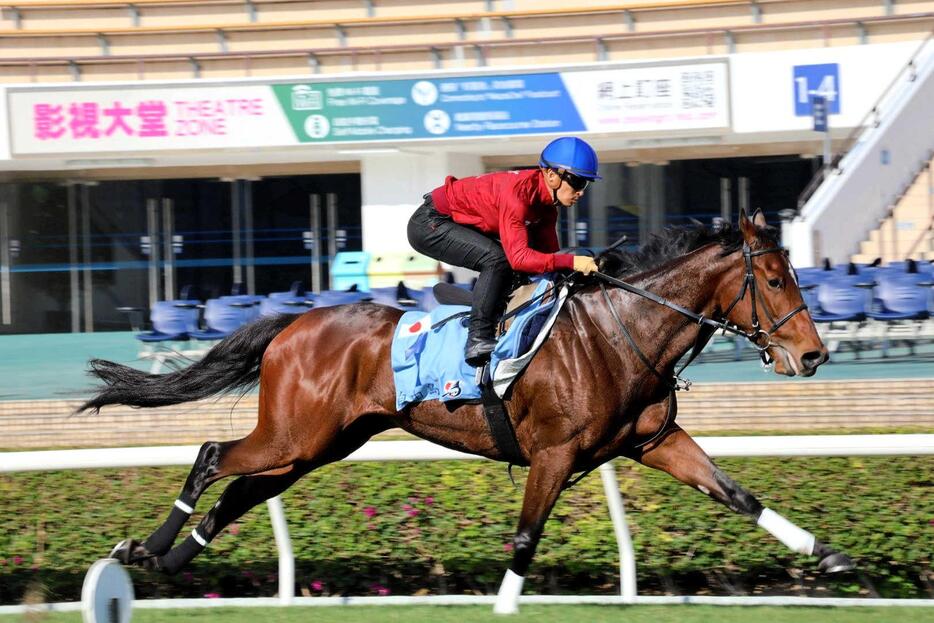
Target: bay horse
[{"x": 599, "y": 388}]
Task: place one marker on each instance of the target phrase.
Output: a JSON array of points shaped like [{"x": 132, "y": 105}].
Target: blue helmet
[{"x": 571, "y": 154}]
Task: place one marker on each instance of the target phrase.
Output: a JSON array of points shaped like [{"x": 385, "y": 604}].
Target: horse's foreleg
[
  {"x": 547, "y": 475},
  {"x": 680, "y": 456}
]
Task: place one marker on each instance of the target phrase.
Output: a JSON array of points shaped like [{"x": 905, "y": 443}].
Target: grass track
[{"x": 529, "y": 614}]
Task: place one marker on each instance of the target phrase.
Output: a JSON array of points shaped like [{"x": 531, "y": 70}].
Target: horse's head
[{"x": 771, "y": 306}]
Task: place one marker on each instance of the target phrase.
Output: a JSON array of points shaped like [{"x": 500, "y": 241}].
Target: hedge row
[{"x": 416, "y": 528}]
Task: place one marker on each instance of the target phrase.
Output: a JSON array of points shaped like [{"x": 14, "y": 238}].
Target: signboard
[
  {"x": 428, "y": 108},
  {"x": 624, "y": 100},
  {"x": 618, "y": 100},
  {"x": 146, "y": 119},
  {"x": 811, "y": 80}
]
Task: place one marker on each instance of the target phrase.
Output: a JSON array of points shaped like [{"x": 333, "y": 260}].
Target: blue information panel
[{"x": 811, "y": 80}]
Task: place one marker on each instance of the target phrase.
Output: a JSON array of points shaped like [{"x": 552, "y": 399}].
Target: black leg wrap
[
  {"x": 738, "y": 499},
  {"x": 524, "y": 546},
  {"x": 160, "y": 541},
  {"x": 179, "y": 556}
]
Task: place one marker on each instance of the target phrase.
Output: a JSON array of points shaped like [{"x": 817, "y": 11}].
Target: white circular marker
[
  {"x": 107, "y": 593},
  {"x": 317, "y": 126},
  {"x": 437, "y": 121},
  {"x": 424, "y": 93}
]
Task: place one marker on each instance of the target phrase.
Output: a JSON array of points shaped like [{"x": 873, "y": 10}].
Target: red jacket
[{"x": 517, "y": 206}]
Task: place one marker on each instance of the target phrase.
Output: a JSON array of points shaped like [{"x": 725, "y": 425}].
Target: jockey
[{"x": 503, "y": 222}]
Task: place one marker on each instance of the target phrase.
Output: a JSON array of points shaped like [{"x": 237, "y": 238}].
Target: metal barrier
[{"x": 771, "y": 446}]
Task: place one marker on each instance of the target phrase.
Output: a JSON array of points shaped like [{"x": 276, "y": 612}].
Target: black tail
[{"x": 233, "y": 363}]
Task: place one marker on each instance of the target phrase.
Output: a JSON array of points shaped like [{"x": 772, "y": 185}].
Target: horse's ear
[
  {"x": 758, "y": 218},
  {"x": 747, "y": 227}
]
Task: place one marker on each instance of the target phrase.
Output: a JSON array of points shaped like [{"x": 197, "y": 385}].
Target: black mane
[{"x": 672, "y": 243}]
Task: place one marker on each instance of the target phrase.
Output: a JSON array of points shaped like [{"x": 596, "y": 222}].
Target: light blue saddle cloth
[{"x": 428, "y": 350}]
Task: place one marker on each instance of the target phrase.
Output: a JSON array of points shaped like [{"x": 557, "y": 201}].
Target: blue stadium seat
[
  {"x": 813, "y": 276},
  {"x": 900, "y": 295},
  {"x": 223, "y": 316},
  {"x": 172, "y": 321},
  {"x": 329, "y": 298},
  {"x": 284, "y": 305},
  {"x": 297, "y": 290},
  {"x": 295, "y": 301},
  {"x": 809, "y": 294},
  {"x": 249, "y": 302},
  {"x": 842, "y": 298},
  {"x": 397, "y": 296}
]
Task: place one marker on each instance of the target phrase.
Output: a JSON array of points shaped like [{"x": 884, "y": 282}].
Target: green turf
[{"x": 530, "y": 614}]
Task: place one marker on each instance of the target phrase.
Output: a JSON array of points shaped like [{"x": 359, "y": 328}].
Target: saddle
[{"x": 450, "y": 294}]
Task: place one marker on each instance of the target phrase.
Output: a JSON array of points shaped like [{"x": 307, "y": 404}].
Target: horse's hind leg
[
  {"x": 206, "y": 470},
  {"x": 240, "y": 496},
  {"x": 680, "y": 456},
  {"x": 255, "y": 486}
]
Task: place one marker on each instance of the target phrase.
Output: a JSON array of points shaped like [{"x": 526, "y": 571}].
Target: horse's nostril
[{"x": 813, "y": 358}]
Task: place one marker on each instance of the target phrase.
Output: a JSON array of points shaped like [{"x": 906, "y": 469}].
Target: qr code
[{"x": 697, "y": 89}]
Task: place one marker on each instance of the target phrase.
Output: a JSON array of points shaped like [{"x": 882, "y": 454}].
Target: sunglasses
[{"x": 576, "y": 182}]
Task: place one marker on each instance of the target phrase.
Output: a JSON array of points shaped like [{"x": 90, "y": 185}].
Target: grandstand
[
  {"x": 168, "y": 39},
  {"x": 193, "y": 123}
]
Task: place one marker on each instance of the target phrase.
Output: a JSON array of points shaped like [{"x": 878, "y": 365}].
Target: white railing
[{"x": 776, "y": 446}]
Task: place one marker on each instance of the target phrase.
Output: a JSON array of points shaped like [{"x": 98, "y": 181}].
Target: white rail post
[
  {"x": 280, "y": 530},
  {"x": 627, "y": 558}
]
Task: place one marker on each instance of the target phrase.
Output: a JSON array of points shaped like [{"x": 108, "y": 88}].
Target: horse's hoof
[
  {"x": 121, "y": 551},
  {"x": 130, "y": 552},
  {"x": 836, "y": 562}
]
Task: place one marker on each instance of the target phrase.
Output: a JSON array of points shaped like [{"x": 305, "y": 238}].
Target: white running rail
[{"x": 163, "y": 456}]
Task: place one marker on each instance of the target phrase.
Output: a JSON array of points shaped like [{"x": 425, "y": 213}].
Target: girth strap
[{"x": 494, "y": 410}]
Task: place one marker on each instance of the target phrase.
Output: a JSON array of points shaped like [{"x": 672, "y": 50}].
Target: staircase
[{"x": 906, "y": 232}]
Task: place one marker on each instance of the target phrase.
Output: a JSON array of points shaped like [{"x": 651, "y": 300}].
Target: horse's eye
[{"x": 775, "y": 283}]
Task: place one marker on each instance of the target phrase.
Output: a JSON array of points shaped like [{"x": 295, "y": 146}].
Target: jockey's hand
[{"x": 584, "y": 264}]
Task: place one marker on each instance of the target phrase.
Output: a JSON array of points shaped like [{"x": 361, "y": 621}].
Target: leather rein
[{"x": 760, "y": 338}]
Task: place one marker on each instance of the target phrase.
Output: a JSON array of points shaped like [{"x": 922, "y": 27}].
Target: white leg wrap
[
  {"x": 507, "y": 600},
  {"x": 791, "y": 535},
  {"x": 200, "y": 539},
  {"x": 183, "y": 507}
]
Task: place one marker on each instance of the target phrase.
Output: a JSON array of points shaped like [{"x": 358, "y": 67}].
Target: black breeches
[{"x": 439, "y": 237}]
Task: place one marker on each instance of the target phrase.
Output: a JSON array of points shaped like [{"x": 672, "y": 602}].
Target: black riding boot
[
  {"x": 480, "y": 345},
  {"x": 488, "y": 296}
]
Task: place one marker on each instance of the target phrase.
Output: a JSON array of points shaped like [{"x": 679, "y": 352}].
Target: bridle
[
  {"x": 749, "y": 283},
  {"x": 761, "y": 338}
]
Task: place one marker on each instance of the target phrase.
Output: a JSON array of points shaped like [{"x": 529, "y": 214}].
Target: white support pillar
[
  {"x": 280, "y": 531},
  {"x": 393, "y": 185}
]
